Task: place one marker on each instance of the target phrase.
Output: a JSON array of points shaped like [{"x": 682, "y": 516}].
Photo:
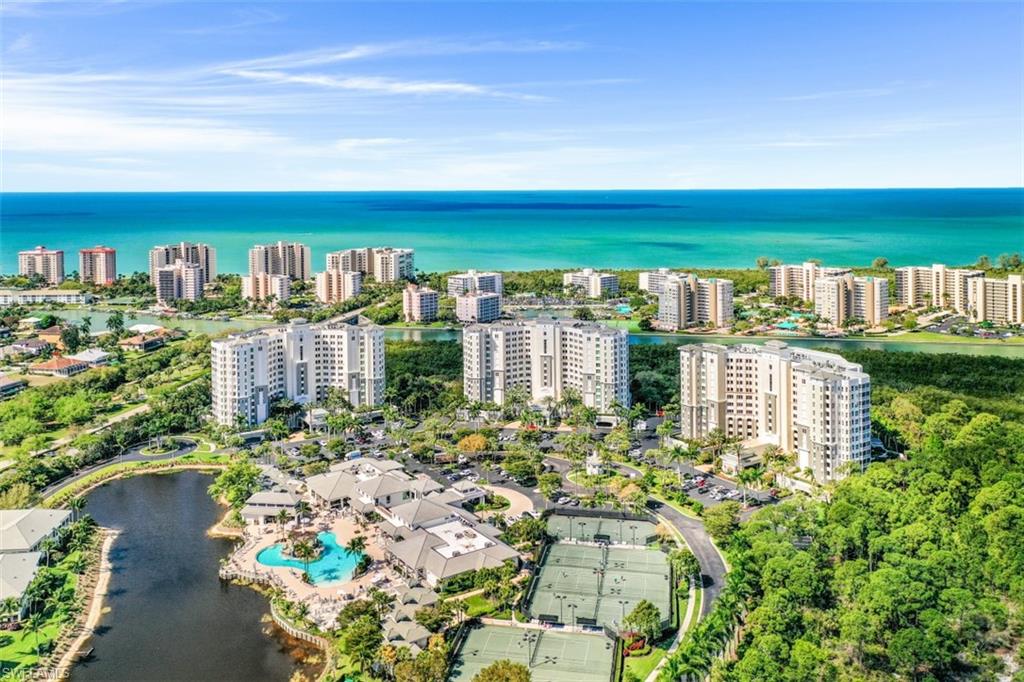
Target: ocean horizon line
[{"x": 938, "y": 188}]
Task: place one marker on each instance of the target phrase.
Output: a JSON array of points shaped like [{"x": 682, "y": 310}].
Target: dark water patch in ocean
[
  {"x": 671, "y": 246},
  {"x": 458, "y": 206},
  {"x": 51, "y": 214}
]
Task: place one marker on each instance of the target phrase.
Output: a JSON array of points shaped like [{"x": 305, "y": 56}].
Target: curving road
[{"x": 132, "y": 454}]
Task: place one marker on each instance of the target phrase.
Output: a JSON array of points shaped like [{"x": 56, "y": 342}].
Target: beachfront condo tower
[
  {"x": 298, "y": 361},
  {"x": 263, "y": 287},
  {"x": 842, "y": 298},
  {"x": 382, "y": 263},
  {"x": 47, "y": 263},
  {"x": 590, "y": 283},
  {"x": 290, "y": 259},
  {"x": 336, "y": 286},
  {"x": 685, "y": 300},
  {"x": 811, "y": 403},
  {"x": 475, "y": 281},
  {"x": 203, "y": 255},
  {"x": 179, "y": 281},
  {"x": 545, "y": 358},
  {"x": 97, "y": 265},
  {"x": 799, "y": 280}
]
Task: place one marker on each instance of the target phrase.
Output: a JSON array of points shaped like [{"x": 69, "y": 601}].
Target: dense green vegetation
[
  {"x": 914, "y": 569},
  {"x": 423, "y": 375}
]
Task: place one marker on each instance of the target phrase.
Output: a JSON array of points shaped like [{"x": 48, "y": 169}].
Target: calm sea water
[{"x": 532, "y": 230}]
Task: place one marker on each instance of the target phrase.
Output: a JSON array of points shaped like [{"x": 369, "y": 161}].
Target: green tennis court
[
  {"x": 551, "y": 656},
  {"x": 587, "y": 528},
  {"x": 598, "y": 586}
]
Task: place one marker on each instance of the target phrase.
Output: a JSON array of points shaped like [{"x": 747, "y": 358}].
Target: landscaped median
[{"x": 121, "y": 469}]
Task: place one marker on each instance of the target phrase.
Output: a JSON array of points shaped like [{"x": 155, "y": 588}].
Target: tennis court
[
  {"x": 591, "y": 529},
  {"x": 551, "y": 656},
  {"x": 598, "y": 586}
]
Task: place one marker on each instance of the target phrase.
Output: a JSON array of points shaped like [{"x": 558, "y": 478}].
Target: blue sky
[{"x": 339, "y": 96}]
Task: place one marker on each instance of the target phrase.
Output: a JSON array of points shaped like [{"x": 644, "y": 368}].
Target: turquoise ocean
[{"x": 534, "y": 230}]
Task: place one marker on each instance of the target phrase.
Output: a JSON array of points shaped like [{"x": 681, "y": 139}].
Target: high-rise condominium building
[
  {"x": 300, "y": 362},
  {"x": 335, "y": 286},
  {"x": 48, "y": 263},
  {"x": 262, "y": 286},
  {"x": 383, "y": 263},
  {"x": 180, "y": 281},
  {"x": 938, "y": 286},
  {"x": 97, "y": 265},
  {"x": 475, "y": 281},
  {"x": 811, "y": 403},
  {"x": 686, "y": 300},
  {"x": 845, "y": 297},
  {"x": 283, "y": 258},
  {"x": 653, "y": 281},
  {"x": 478, "y": 306},
  {"x": 1000, "y": 301},
  {"x": 203, "y": 255},
  {"x": 591, "y": 284},
  {"x": 799, "y": 280},
  {"x": 419, "y": 304},
  {"x": 545, "y": 358}
]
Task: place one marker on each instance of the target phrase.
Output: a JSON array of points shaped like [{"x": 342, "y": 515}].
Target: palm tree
[
  {"x": 33, "y": 623},
  {"x": 382, "y": 601},
  {"x": 10, "y": 605},
  {"x": 282, "y": 518},
  {"x": 664, "y": 430},
  {"x": 47, "y": 546},
  {"x": 356, "y": 545},
  {"x": 304, "y": 550},
  {"x": 460, "y": 608},
  {"x": 747, "y": 477},
  {"x": 76, "y": 504}
]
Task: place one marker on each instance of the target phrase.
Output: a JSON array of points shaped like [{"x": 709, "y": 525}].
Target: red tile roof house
[
  {"x": 148, "y": 342},
  {"x": 59, "y": 367}
]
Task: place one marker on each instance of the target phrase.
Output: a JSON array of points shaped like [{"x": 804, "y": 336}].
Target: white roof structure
[
  {"x": 143, "y": 328},
  {"x": 92, "y": 355},
  {"x": 22, "y": 529},
  {"x": 17, "y": 569}
]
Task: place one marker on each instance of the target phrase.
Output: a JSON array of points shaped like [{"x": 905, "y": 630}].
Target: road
[{"x": 132, "y": 454}]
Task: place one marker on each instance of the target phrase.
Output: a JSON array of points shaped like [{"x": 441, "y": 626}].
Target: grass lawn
[
  {"x": 935, "y": 337},
  {"x": 478, "y": 606},
  {"x": 18, "y": 647}
]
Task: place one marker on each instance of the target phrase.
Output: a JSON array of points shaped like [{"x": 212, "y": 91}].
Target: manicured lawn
[
  {"x": 935, "y": 337},
  {"x": 478, "y": 606}
]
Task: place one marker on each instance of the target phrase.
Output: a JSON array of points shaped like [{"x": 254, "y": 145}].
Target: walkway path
[{"x": 518, "y": 502}]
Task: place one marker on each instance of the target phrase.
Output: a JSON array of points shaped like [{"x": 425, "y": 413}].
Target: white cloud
[
  {"x": 373, "y": 84},
  {"x": 246, "y": 19}
]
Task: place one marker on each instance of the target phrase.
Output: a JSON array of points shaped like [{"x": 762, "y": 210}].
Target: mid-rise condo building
[
  {"x": 300, "y": 362},
  {"x": 97, "y": 265},
  {"x": 179, "y": 281},
  {"x": 335, "y": 286},
  {"x": 383, "y": 263},
  {"x": 799, "y": 280},
  {"x": 1000, "y": 301},
  {"x": 419, "y": 304},
  {"x": 478, "y": 306},
  {"x": 591, "y": 284},
  {"x": 264, "y": 286},
  {"x": 811, "y": 403},
  {"x": 838, "y": 299},
  {"x": 685, "y": 300},
  {"x": 546, "y": 358},
  {"x": 937, "y": 286},
  {"x": 203, "y": 255},
  {"x": 475, "y": 281},
  {"x": 653, "y": 281},
  {"x": 47, "y": 263},
  {"x": 291, "y": 259}
]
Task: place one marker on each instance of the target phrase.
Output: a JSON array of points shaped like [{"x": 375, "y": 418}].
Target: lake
[{"x": 171, "y": 618}]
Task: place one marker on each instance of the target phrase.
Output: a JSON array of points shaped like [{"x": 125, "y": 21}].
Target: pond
[{"x": 171, "y": 617}]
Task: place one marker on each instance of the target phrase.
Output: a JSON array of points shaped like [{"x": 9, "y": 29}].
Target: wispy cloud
[
  {"x": 23, "y": 43},
  {"x": 245, "y": 19},
  {"x": 839, "y": 94},
  {"x": 374, "y": 84},
  {"x": 407, "y": 48}
]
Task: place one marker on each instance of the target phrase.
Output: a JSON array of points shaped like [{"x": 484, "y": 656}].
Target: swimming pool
[
  {"x": 623, "y": 309},
  {"x": 335, "y": 565}
]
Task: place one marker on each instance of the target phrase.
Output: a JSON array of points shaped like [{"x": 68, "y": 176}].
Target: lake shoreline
[{"x": 95, "y": 602}]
